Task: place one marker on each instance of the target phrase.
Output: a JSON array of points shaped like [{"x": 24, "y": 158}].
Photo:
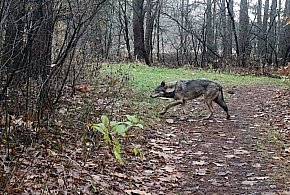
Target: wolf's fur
[{"x": 184, "y": 90}]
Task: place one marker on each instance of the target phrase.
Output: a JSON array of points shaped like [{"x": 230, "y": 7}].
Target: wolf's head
[{"x": 163, "y": 90}]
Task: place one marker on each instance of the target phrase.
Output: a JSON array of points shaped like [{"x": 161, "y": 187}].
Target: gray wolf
[{"x": 184, "y": 90}]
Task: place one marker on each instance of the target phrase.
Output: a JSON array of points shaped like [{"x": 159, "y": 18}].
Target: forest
[{"x": 76, "y": 115}]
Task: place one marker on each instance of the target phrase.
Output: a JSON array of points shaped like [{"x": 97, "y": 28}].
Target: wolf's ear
[{"x": 162, "y": 84}]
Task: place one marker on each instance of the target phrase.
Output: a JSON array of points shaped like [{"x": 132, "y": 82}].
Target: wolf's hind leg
[
  {"x": 210, "y": 94},
  {"x": 210, "y": 108}
]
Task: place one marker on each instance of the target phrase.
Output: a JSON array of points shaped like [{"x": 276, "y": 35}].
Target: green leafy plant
[{"x": 113, "y": 131}]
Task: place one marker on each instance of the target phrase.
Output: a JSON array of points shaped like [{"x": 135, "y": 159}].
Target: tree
[
  {"x": 124, "y": 21},
  {"x": 224, "y": 29},
  {"x": 284, "y": 47},
  {"x": 40, "y": 37},
  {"x": 259, "y": 29},
  {"x": 33, "y": 63},
  {"x": 244, "y": 37},
  {"x": 264, "y": 48},
  {"x": 232, "y": 28},
  {"x": 13, "y": 46},
  {"x": 272, "y": 55},
  {"x": 209, "y": 31},
  {"x": 138, "y": 31}
]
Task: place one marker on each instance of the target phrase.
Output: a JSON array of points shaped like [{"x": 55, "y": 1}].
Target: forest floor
[{"x": 182, "y": 154}]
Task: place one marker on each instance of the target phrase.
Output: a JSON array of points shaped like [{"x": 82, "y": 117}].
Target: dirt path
[
  {"x": 182, "y": 154},
  {"x": 220, "y": 156}
]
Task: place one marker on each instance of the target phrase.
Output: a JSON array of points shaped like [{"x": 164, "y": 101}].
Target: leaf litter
[{"x": 191, "y": 156}]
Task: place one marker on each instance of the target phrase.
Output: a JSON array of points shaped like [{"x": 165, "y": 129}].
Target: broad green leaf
[
  {"x": 113, "y": 123},
  {"x": 140, "y": 126},
  {"x": 99, "y": 127},
  {"x": 132, "y": 118},
  {"x": 128, "y": 123},
  {"x": 120, "y": 129},
  {"x": 105, "y": 120}
]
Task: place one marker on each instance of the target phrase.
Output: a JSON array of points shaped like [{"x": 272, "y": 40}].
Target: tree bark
[
  {"x": 259, "y": 29},
  {"x": 285, "y": 44},
  {"x": 150, "y": 19},
  {"x": 125, "y": 27},
  {"x": 244, "y": 37},
  {"x": 209, "y": 32},
  {"x": 273, "y": 33},
  {"x": 41, "y": 38},
  {"x": 138, "y": 31},
  {"x": 13, "y": 46},
  {"x": 232, "y": 28},
  {"x": 264, "y": 48}
]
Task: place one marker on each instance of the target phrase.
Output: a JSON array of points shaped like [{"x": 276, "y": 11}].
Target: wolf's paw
[
  {"x": 162, "y": 113},
  {"x": 207, "y": 117}
]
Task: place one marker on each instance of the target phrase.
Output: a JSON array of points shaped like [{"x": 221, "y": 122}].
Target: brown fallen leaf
[
  {"x": 258, "y": 178},
  {"x": 201, "y": 172},
  {"x": 257, "y": 165},
  {"x": 215, "y": 182},
  {"x": 199, "y": 153},
  {"x": 96, "y": 178},
  {"x": 278, "y": 157},
  {"x": 218, "y": 164},
  {"x": 200, "y": 163},
  {"x": 229, "y": 156},
  {"x": 223, "y": 173},
  {"x": 136, "y": 192},
  {"x": 250, "y": 183},
  {"x": 120, "y": 175},
  {"x": 60, "y": 182},
  {"x": 169, "y": 169},
  {"x": 169, "y": 121},
  {"x": 285, "y": 193},
  {"x": 241, "y": 151},
  {"x": 171, "y": 178}
]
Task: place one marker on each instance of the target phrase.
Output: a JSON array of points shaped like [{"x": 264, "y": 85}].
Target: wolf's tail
[{"x": 221, "y": 101}]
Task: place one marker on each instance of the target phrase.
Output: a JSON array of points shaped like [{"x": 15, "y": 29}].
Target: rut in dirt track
[{"x": 217, "y": 156}]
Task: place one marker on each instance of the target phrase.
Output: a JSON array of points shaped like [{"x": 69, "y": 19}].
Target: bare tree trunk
[
  {"x": 284, "y": 49},
  {"x": 244, "y": 38},
  {"x": 226, "y": 32},
  {"x": 264, "y": 48},
  {"x": 279, "y": 30},
  {"x": 272, "y": 33},
  {"x": 209, "y": 32},
  {"x": 232, "y": 26},
  {"x": 138, "y": 31},
  {"x": 151, "y": 13},
  {"x": 158, "y": 33},
  {"x": 125, "y": 26},
  {"x": 259, "y": 29},
  {"x": 13, "y": 46},
  {"x": 179, "y": 51},
  {"x": 41, "y": 38}
]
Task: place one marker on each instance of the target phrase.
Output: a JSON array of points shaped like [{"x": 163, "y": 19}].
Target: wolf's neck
[{"x": 170, "y": 94}]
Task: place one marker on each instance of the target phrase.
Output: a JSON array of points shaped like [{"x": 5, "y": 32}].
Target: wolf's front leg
[{"x": 171, "y": 105}]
